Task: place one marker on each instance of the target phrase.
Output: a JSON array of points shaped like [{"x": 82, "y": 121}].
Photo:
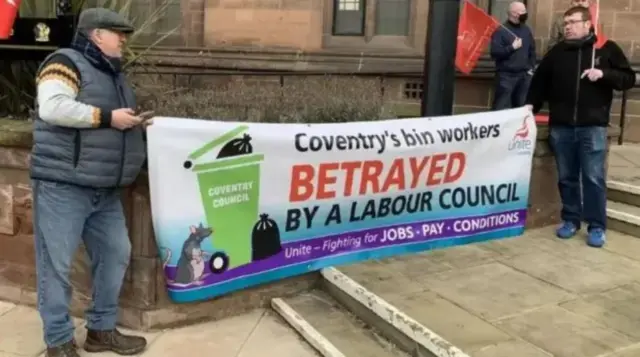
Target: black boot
[
  {"x": 114, "y": 341},
  {"x": 65, "y": 350}
]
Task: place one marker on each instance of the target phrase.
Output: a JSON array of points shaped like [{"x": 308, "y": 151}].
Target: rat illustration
[{"x": 191, "y": 264}]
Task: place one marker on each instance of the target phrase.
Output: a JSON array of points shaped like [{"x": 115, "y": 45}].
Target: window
[
  {"x": 413, "y": 90},
  {"x": 38, "y": 8},
  {"x": 348, "y": 17},
  {"x": 356, "y": 17},
  {"x": 392, "y": 17},
  {"x": 498, "y": 8}
]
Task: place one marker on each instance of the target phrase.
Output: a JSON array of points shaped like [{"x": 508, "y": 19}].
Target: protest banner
[{"x": 240, "y": 204}]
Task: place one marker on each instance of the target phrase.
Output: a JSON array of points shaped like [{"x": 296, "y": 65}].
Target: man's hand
[
  {"x": 517, "y": 43},
  {"x": 593, "y": 74},
  {"x": 529, "y": 107},
  {"x": 124, "y": 118}
]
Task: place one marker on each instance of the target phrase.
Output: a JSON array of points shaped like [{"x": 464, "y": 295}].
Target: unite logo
[{"x": 521, "y": 142}]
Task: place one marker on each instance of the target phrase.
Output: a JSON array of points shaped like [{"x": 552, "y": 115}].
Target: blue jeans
[
  {"x": 510, "y": 90},
  {"x": 580, "y": 156},
  {"x": 63, "y": 216}
]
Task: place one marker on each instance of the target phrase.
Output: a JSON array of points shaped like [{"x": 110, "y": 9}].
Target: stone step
[
  {"x": 391, "y": 322},
  {"x": 623, "y": 192},
  {"x": 331, "y": 329},
  {"x": 624, "y": 218}
]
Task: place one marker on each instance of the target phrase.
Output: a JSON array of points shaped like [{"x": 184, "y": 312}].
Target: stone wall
[
  {"x": 144, "y": 301},
  {"x": 192, "y": 30},
  {"x": 273, "y": 23}
]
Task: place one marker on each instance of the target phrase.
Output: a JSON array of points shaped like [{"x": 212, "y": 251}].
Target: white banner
[{"x": 239, "y": 204}]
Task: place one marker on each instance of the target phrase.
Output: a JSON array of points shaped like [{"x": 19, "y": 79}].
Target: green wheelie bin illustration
[{"x": 230, "y": 191}]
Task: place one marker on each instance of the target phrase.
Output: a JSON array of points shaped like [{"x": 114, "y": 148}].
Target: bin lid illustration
[{"x": 238, "y": 159}]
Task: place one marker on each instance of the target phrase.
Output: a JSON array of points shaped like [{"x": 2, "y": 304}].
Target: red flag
[
  {"x": 474, "y": 33},
  {"x": 601, "y": 39},
  {"x": 8, "y": 12}
]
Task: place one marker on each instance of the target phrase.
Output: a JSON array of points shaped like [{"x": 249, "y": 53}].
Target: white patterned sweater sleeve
[{"x": 57, "y": 85}]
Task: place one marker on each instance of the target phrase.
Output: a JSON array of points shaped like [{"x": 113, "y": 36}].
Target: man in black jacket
[{"x": 578, "y": 85}]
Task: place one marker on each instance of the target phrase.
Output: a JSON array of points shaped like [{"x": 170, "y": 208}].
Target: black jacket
[{"x": 576, "y": 101}]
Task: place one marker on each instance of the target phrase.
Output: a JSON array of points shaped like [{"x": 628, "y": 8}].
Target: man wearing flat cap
[{"x": 88, "y": 145}]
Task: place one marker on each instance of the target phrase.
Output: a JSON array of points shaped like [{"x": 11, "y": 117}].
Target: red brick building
[{"x": 357, "y": 36}]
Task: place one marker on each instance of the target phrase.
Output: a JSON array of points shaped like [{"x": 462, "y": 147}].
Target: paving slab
[
  {"x": 512, "y": 247},
  {"x": 633, "y": 351},
  {"x": 458, "y": 326},
  {"x": 564, "y": 333},
  {"x": 224, "y": 338},
  {"x": 21, "y": 331},
  {"x": 382, "y": 279},
  {"x": 510, "y": 348},
  {"x": 618, "y": 309},
  {"x": 624, "y": 245},
  {"x": 273, "y": 336},
  {"x": 493, "y": 291},
  {"x": 460, "y": 257},
  {"x": 415, "y": 265},
  {"x": 256, "y": 334},
  {"x": 578, "y": 274},
  {"x": 81, "y": 335}
]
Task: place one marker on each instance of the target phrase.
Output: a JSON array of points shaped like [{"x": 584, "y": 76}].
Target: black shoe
[
  {"x": 114, "y": 341},
  {"x": 65, "y": 350}
]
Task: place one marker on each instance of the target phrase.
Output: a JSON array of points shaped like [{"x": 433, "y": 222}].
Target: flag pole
[
  {"x": 596, "y": 23},
  {"x": 439, "y": 72},
  {"x": 506, "y": 28}
]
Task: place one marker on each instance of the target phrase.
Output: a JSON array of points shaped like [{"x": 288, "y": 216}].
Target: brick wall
[{"x": 265, "y": 23}]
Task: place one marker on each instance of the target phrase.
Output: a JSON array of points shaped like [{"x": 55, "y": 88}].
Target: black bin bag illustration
[
  {"x": 236, "y": 147},
  {"x": 265, "y": 238}
]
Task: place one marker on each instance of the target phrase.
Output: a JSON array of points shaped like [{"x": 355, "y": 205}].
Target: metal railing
[{"x": 623, "y": 115}]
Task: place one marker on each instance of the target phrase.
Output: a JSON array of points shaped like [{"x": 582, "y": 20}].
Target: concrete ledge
[
  {"x": 310, "y": 334},
  {"x": 623, "y": 192},
  {"x": 398, "y": 327},
  {"x": 16, "y": 133},
  {"x": 623, "y": 218}
]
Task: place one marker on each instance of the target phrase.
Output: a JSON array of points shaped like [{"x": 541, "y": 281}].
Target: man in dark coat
[
  {"x": 577, "y": 81},
  {"x": 514, "y": 51}
]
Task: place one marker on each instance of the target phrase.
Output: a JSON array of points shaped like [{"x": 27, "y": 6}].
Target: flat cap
[{"x": 101, "y": 18}]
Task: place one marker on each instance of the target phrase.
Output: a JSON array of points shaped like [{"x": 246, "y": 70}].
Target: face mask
[{"x": 523, "y": 18}]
